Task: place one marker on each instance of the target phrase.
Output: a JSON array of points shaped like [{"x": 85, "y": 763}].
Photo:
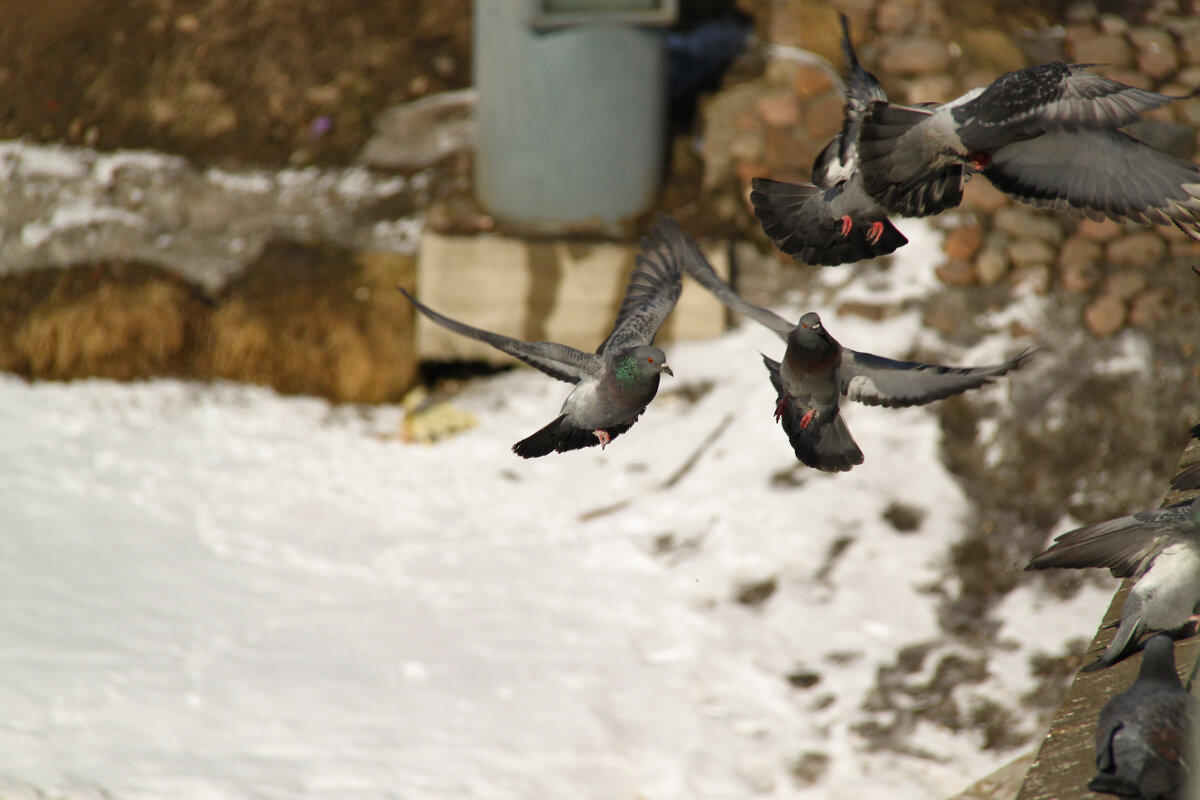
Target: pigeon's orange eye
[{"x": 649, "y": 359}]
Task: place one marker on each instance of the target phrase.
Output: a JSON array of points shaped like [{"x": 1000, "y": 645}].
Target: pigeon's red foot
[
  {"x": 979, "y": 160},
  {"x": 603, "y": 437},
  {"x": 807, "y": 418},
  {"x": 847, "y": 224},
  {"x": 874, "y": 232},
  {"x": 779, "y": 407}
]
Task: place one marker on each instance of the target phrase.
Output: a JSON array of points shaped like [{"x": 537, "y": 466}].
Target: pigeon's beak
[{"x": 667, "y": 369}]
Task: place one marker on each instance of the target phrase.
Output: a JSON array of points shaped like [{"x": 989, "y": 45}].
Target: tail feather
[
  {"x": 824, "y": 444},
  {"x": 797, "y": 218},
  {"x": 561, "y": 436},
  {"x": 1124, "y": 640},
  {"x": 897, "y": 174}
]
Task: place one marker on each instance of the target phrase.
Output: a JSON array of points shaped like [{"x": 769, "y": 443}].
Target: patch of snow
[
  {"x": 81, "y": 213},
  {"x": 244, "y": 182},
  {"x": 211, "y": 591},
  {"x": 41, "y": 161}
]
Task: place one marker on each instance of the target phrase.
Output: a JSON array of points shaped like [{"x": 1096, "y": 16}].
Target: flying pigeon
[
  {"x": 816, "y": 372},
  {"x": 614, "y": 385},
  {"x": 1188, "y": 478},
  {"x": 833, "y": 220},
  {"x": 1143, "y": 735},
  {"x": 1159, "y": 550},
  {"x": 1047, "y": 135}
]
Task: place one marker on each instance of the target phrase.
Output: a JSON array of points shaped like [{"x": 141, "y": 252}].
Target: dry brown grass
[
  {"x": 317, "y": 320},
  {"x": 113, "y": 320}
]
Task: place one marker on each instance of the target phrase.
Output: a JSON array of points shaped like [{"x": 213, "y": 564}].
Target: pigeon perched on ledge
[
  {"x": 1143, "y": 735},
  {"x": 614, "y": 385},
  {"x": 1159, "y": 550},
  {"x": 832, "y": 220},
  {"x": 1046, "y": 135},
  {"x": 816, "y": 372}
]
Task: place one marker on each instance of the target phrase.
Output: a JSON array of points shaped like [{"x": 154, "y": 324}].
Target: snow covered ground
[{"x": 211, "y": 591}]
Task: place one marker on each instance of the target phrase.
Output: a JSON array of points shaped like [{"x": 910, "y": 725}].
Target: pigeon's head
[
  {"x": 642, "y": 362},
  {"x": 809, "y": 338}
]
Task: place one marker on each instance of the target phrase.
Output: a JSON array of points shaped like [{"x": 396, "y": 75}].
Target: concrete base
[{"x": 563, "y": 291}]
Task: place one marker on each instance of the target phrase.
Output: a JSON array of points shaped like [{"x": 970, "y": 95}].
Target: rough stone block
[{"x": 564, "y": 291}]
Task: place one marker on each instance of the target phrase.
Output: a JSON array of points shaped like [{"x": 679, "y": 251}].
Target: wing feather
[{"x": 556, "y": 360}]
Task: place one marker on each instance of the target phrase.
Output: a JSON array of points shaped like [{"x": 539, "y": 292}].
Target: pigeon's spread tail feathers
[
  {"x": 798, "y": 219},
  {"x": 898, "y": 174},
  {"x": 560, "y": 436},
  {"x": 1124, "y": 640},
  {"x": 824, "y": 444}
]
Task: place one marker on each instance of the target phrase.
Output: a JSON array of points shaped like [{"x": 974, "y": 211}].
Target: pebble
[
  {"x": 778, "y": 109},
  {"x": 1023, "y": 222},
  {"x": 991, "y": 266},
  {"x": 1101, "y": 49},
  {"x": 1141, "y": 249},
  {"x": 956, "y": 273},
  {"x": 1030, "y": 253},
  {"x": 916, "y": 55},
  {"x": 811, "y": 81},
  {"x": 963, "y": 242},
  {"x": 1149, "y": 306},
  {"x": 1101, "y": 230},
  {"x": 1105, "y": 315},
  {"x": 1125, "y": 284}
]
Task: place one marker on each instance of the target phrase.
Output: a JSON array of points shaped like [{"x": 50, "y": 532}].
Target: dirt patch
[{"x": 265, "y": 82}]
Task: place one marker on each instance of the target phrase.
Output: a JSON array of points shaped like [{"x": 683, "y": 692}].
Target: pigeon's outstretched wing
[
  {"x": 1100, "y": 173},
  {"x": 653, "y": 288},
  {"x": 862, "y": 88},
  {"x": 1187, "y": 479},
  {"x": 809, "y": 223},
  {"x": 698, "y": 267},
  {"x": 556, "y": 360},
  {"x": 1125, "y": 545},
  {"x": 880, "y": 381},
  {"x": 904, "y": 162},
  {"x": 1028, "y": 101}
]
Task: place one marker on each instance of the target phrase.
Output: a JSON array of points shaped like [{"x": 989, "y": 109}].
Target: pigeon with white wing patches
[
  {"x": 1159, "y": 550},
  {"x": 1143, "y": 734},
  {"x": 614, "y": 385},
  {"x": 1046, "y": 135},
  {"x": 832, "y": 220},
  {"x": 816, "y": 372}
]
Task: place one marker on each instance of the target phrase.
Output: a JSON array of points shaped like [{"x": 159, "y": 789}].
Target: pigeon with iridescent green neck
[{"x": 614, "y": 385}]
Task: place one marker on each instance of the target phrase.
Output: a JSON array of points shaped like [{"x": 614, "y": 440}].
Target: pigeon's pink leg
[
  {"x": 874, "y": 232},
  {"x": 807, "y": 418},
  {"x": 603, "y": 437},
  {"x": 779, "y": 407},
  {"x": 847, "y": 224}
]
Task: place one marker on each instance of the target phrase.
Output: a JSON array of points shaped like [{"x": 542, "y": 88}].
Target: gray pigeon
[
  {"x": 1188, "y": 478},
  {"x": 817, "y": 371},
  {"x": 833, "y": 220},
  {"x": 1143, "y": 735},
  {"x": 1047, "y": 135},
  {"x": 614, "y": 385},
  {"x": 1159, "y": 550}
]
